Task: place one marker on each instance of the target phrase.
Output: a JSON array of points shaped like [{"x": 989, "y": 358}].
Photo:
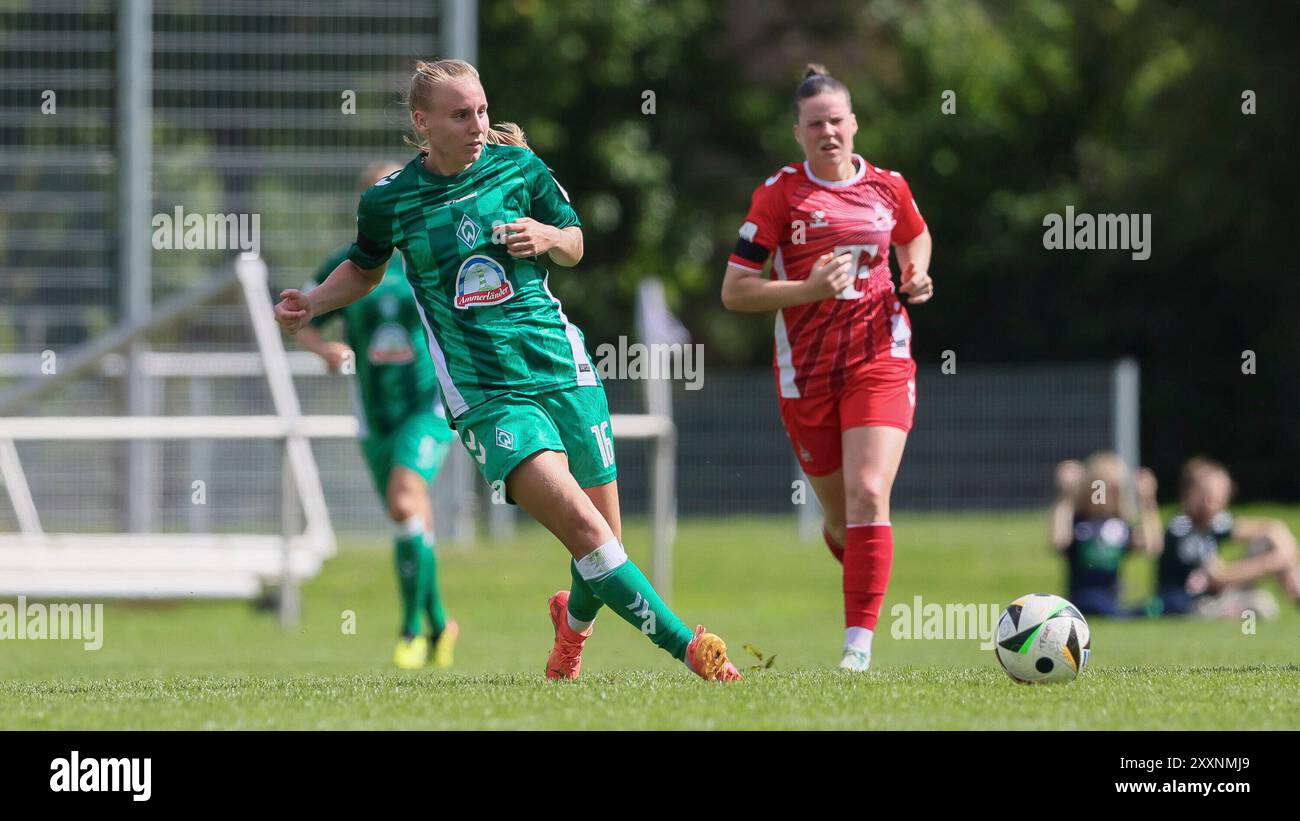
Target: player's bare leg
[
  {"x": 543, "y": 486},
  {"x": 1268, "y": 557},
  {"x": 829, "y": 490},
  {"x": 872, "y": 455},
  {"x": 605, "y": 498},
  {"x": 602, "y": 572}
]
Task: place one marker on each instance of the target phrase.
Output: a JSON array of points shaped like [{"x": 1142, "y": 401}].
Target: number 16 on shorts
[{"x": 601, "y": 432}]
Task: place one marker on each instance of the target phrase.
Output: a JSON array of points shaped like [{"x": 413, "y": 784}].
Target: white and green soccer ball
[{"x": 1042, "y": 638}]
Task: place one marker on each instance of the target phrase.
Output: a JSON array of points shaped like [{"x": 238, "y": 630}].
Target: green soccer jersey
[
  {"x": 395, "y": 374},
  {"x": 493, "y": 324}
]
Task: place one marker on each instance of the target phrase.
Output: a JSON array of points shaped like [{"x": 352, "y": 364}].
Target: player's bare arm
[
  {"x": 334, "y": 353},
  {"x": 914, "y": 262},
  {"x": 526, "y": 237},
  {"x": 345, "y": 285},
  {"x": 749, "y": 291}
]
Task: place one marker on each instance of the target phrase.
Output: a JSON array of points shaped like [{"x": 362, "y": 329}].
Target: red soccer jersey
[{"x": 799, "y": 217}]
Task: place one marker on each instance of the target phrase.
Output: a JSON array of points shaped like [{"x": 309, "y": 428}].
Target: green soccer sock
[
  {"x": 620, "y": 584},
  {"x": 409, "y": 558},
  {"x": 583, "y": 602},
  {"x": 432, "y": 601}
]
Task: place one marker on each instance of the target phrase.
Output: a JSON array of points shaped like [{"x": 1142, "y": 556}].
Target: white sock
[
  {"x": 858, "y": 638},
  {"x": 602, "y": 561},
  {"x": 410, "y": 527},
  {"x": 598, "y": 563},
  {"x": 575, "y": 625}
]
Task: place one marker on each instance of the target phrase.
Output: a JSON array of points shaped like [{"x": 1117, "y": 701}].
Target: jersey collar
[
  {"x": 862, "y": 170},
  {"x": 429, "y": 175}
]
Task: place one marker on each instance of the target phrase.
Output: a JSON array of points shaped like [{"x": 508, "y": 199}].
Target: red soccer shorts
[{"x": 881, "y": 392}]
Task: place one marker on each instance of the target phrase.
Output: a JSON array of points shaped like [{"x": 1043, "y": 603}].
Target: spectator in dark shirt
[
  {"x": 1191, "y": 578},
  {"x": 1095, "y": 526}
]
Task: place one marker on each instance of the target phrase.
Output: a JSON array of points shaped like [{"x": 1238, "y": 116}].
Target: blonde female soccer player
[
  {"x": 472, "y": 215},
  {"x": 845, "y": 377}
]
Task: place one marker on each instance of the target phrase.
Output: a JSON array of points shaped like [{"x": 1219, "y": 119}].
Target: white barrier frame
[{"x": 34, "y": 562}]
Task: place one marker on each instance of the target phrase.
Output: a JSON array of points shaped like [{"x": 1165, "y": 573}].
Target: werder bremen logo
[{"x": 468, "y": 230}]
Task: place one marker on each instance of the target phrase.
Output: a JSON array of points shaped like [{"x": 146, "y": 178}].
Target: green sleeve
[
  {"x": 550, "y": 202},
  {"x": 374, "y": 244}
]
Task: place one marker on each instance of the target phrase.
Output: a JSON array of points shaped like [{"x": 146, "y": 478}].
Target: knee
[
  {"x": 403, "y": 503},
  {"x": 867, "y": 499},
  {"x": 1286, "y": 551}
]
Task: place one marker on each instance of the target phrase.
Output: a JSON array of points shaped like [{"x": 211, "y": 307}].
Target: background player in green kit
[
  {"x": 471, "y": 216},
  {"x": 404, "y": 436}
]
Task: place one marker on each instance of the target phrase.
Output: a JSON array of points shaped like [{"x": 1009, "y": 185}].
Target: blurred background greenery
[{"x": 1114, "y": 106}]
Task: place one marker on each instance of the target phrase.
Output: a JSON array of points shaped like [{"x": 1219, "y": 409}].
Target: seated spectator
[
  {"x": 1191, "y": 578},
  {"x": 1094, "y": 525}
]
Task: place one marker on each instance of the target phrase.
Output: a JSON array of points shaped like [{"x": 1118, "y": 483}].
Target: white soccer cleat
[{"x": 855, "y": 660}]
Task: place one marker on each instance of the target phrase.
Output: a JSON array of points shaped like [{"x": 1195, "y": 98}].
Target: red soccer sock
[
  {"x": 868, "y": 558},
  {"x": 837, "y": 550}
]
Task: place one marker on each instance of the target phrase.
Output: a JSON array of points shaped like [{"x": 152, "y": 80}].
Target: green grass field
[{"x": 221, "y": 665}]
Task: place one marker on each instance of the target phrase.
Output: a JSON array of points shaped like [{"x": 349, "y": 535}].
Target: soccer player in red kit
[{"x": 845, "y": 376}]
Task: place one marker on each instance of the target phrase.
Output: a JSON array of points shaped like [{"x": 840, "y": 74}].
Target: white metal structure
[{"x": 151, "y": 565}]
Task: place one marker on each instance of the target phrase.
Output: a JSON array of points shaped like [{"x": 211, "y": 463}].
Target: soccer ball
[{"x": 1042, "y": 638}]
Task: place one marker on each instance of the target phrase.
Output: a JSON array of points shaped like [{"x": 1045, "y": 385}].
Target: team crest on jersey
[
  {"x": 481, "y": 281},
  {"x": 468, "y": 230},
  {"x": 882, "y": 218},
  {"x": 818, "y": 220},
  {"x": 390, "y": 345},
  {"x": 505, "y": 439}
]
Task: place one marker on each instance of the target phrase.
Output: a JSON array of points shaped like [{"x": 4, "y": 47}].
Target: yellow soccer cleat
[
  {"x": 441, "y": 657},
  {"x": 706, "y": 656},
  {"x": 411, "y": 653}
]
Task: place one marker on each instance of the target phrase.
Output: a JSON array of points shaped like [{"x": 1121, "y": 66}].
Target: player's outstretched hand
[
  {"x": 526, "y": 237},
  {"x": 830, "y": 275},
  {"x": 293, "y": 311},
  {"x": 917, "y": 285},
  {"x": 335, "y": 354}
]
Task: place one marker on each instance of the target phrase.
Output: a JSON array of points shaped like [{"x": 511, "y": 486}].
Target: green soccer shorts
[
  {"x": 507, "y": 429},
  {"x": 420, "y": 444}
]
